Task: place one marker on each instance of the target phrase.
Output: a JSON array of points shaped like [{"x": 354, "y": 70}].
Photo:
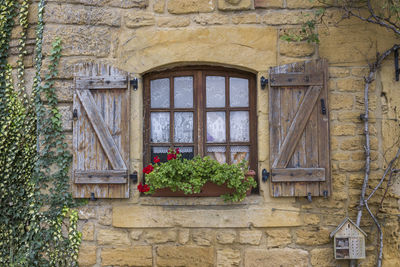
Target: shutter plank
[
  {"x": 298, "y": 175},
  {"x": 297, "y": 79},
  {"x": 102, "y": 82},
  {"x": 102, "y": 132},
  {"x": 275, "y": 134},
  {"x": 297, "y": 127}
]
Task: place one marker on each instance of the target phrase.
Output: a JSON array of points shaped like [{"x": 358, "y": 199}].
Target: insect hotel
[{"x": 349, "y": 241}]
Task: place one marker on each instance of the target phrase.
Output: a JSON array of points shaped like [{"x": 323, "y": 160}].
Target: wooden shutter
[
  {"x": 100, "y": 132},
  {"x": 299, "y": 129}
]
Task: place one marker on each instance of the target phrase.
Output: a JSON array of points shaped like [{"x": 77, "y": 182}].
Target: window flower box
[{"x": 197, "y": 177}]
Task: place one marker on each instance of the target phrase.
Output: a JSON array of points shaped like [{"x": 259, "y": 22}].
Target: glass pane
[
  {"x": 186, "y": 151},
  {"x": 239, "y": 126},
  {"x": 183, "y": 92},
  {"x": 159, "y": 91},
  {"x": 160, "y": 152},
  {"x": 159, "y": 127},
  {"x": 215, "y": 91},
  {"x": 238, "y": 92},
  {"x": 239, "y": 153},
  {"x": 216, "y": 127},
  {"x": 217, "y": 152},
  {"x": 183, "y": 127}
]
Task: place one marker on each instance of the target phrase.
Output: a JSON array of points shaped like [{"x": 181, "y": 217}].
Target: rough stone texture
[
  {"x": 160, "y": 236},
  {"x": 190, "y": 256},
  {"x": 126, "y": 216},
  {"x": 83, "y": 15},
  {"x": 190, "y": 6},
  {"x": 341, "y": 101},
  {"x": 183, "y": 236},
  {"x": 344, "y": 129},
  {"x": 77, "y": 41},
  {"x": 228, "y": 257},
  {"x": 250, "y": 237},
  {"x": 226, "y": 236},
  {"x": 284, "y": 18},
  {"x": 303, "y": 4},
  {"x": 313, "y": 237},
  {"x": 172, "y": 22},
  {"x": 135, "y": 256},
  {"x": 135, "y": 234},
  {"x": 245, "y": 19},
  {"x": 234, "y": 4},
  {"x": 112, "y": 237},
  {"x": 295, "y": 49},
  {"x": 87, "y": 255},
  {"x": 268, "y": 3},
  {"x": 203, "y": 237},
  {"x": 278, "y": 237},
  {"x": 105, "y": 215},
  {"x": 226, "y": 45},
  {"x": 88, "y": 232},
  {"x": 139, "y": 19},
  {"x": 323, "y": 257},
  {"x": 159, "y": 6},
  {"x": 211, "y": 19},
  {"x": 285, "y": 257}
]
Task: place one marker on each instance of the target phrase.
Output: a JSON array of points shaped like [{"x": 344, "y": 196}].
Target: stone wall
[{"x": 142, "y": 35}]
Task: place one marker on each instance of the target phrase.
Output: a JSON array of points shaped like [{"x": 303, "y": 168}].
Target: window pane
[
  {"x": 216, "y": 132},
  {"x": 239, "y": 126},
  {"x": 159, "y": 91},
  {"x": 239, "y": 153},
  {"x": 187, "y": 152},
  {"x": 215, "y": 91},
  {"x": 159, "y": 127},
  {"x": 217, "y": 152},
  {"x": 183, "y": 127},
  {"x": 238, "y": 92},
  {"x": 183, "y": 92}
]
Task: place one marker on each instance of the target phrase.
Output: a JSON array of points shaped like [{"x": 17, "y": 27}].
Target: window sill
[{"x": 197, "y": 201}]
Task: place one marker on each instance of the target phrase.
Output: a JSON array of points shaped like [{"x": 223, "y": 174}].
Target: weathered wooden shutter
[
  {"x": 100, "y": 132},
  {"x": 299, "y": 129}
]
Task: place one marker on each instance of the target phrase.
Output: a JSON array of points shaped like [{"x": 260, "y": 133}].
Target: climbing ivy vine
[{"x": 38, "y": 226}]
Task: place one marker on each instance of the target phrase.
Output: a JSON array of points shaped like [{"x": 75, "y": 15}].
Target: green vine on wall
[{"x": 37, "y": 225}]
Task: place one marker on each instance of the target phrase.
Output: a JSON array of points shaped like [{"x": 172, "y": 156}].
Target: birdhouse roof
[{"x": 347, "y": 219}]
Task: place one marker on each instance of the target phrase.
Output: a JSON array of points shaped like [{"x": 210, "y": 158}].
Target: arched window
[{"x": 206, "y": 111}]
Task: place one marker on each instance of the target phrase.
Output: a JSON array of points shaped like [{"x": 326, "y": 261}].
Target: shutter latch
[
  {"x": 74, "y": 114},
  {"x": 323, "y": 107},
  {"x": 264, "y": 82},
  {"x": 265, "y": 175},
  {"x": 309, "y": 197},
  {"x": 134, "y": 83}
]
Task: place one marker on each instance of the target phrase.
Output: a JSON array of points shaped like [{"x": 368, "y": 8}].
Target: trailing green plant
[
  {"x": 38, "y": 226},
  {"x": 189, "y": 176}
]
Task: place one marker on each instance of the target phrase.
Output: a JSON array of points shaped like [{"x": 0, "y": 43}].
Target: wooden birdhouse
[{"x": 349, "y": 241}]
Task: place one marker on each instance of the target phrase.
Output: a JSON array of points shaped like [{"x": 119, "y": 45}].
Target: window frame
[{"x": 199, "y": 110}]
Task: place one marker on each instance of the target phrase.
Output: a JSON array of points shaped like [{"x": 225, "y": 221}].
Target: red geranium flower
[
  {"x": 156, "y": 159},
  {"x": 171, "y": 156},
  {"x": 143, "y": 188},
  {"x": 148, "y": 169},
  {"x": 177, "y": 150}
]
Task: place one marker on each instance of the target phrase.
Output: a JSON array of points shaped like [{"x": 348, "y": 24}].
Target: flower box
[{"x": 209, "y": 189}]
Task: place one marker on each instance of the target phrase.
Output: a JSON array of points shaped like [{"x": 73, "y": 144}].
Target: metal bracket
[
  {"x": 264, "y": 82},
  {"x": 92, "y": 198},
  {"x": 396, "y": 64},
  {"x": 323, "y": 107},
  {"x": 74, "y": 114},
  {"x": 134, "y": 177},
  {"x": 134, "y": 83},
  {"x": 309, "y": 197},
  {"x": 325, "y": 193},
  {"x": 265, "y": 175}
]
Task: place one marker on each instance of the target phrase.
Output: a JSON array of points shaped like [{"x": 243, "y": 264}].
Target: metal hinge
[
  {"x": 74, "y": 114},
  {"x": 323, "y": 107}
]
